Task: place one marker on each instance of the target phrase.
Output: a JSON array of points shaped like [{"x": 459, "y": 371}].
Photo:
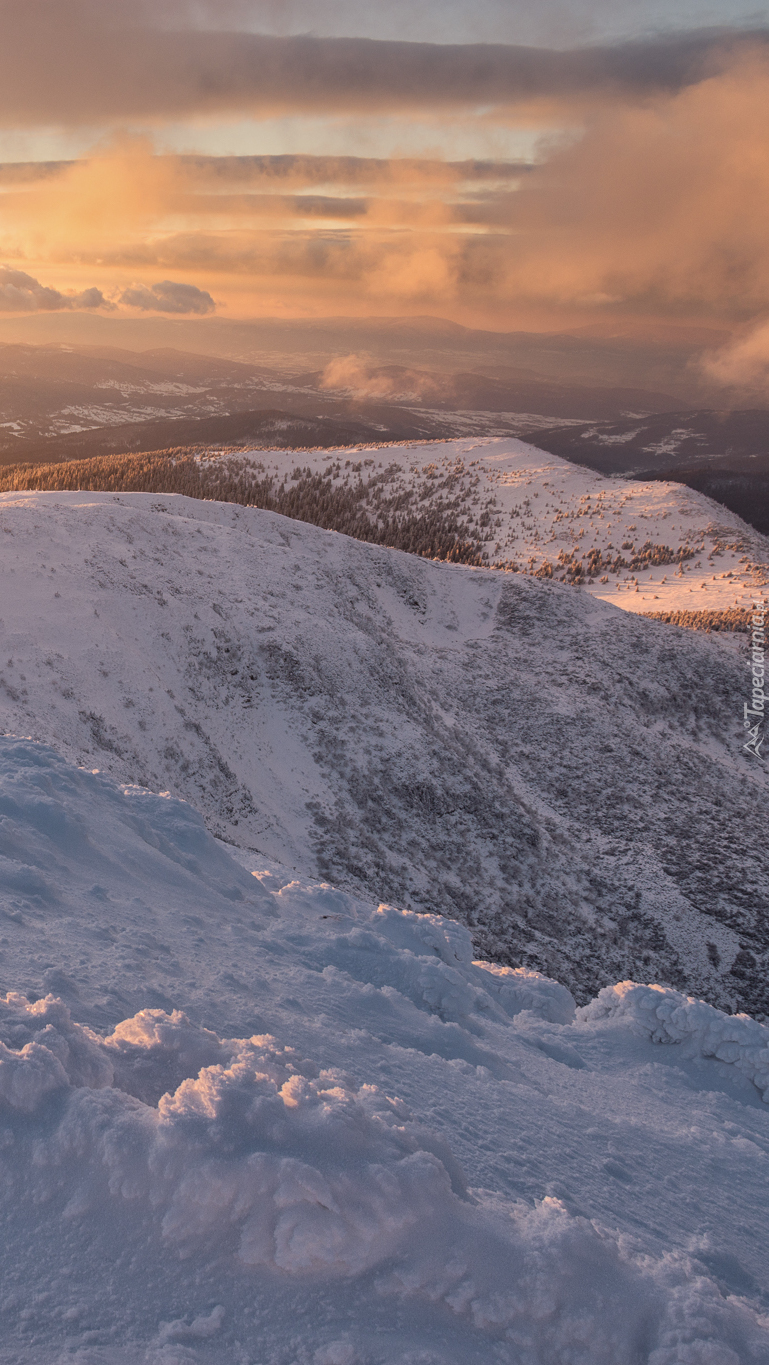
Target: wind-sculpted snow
[
  {"x": 340, "y": 1139},
  {"x": 262, "y": 1152},
  {"x": 266, "y": 1161},
  {"x": 42, "y": 1051},
  {"x": 566, "y": 779},
  {"x": 668, "y": 1017}
]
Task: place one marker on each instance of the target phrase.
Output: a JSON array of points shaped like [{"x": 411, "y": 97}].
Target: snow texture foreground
[{"x": 260, "y": 1120}]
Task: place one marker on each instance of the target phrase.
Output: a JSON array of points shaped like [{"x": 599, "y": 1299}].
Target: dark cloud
[
  {"x": 22, "y": 293},
  {"x": 90, "y": 298},
  {"x": 658, "y": 209},
  {"x": 76, "y": 63},
  {"x": 291, "y": 170},
  {"x": 277, "y": 205},
  {"x": 31, "y": 172},
  {"x": 168, "y": 297},
  {"x": 301, "y": 169}
]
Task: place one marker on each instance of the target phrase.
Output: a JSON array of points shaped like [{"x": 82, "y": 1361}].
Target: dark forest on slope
[{"x": 368, "y": 505}]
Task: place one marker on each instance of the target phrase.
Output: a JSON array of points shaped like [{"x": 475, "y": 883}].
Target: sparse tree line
[
  {"x": 734, "y": 618},
  {"x": 366, "y": 508},
  {"x": 371, "y": 505},
  {"x": 573, "y": 568}
]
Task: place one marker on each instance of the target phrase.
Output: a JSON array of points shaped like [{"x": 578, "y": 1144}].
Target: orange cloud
[
  {"x": 121, "y": 190},
  {"x": 663, "y": 205},
  {"x": 743, "y": 363},
  {"x": 658, "y": 209},
  {"x": 360, "y": 377}
]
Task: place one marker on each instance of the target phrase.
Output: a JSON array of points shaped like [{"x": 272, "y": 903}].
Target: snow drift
[
  {"x": 267, "y": 1160},
  {"x": 419, "y": 1157},
  {"x": 668, "y": 1017}
]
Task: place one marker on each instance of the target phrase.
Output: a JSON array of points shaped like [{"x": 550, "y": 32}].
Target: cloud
[
  {"x": 744, "y": 362},
  {"x": 71, "y": 63},
  {"x": 168, "y": 297},
  {"x": 270, "y": 206},
  {"x": 125, "y": 177},
  {"x": 291, "y": 171},
  {"x": 119, "y": 191},
  {"x": 657, "y": 209},
  {"x": 22, "y": 293},
  {"x": 358, "y": 376},
  {"x": 663, "y": 206},
  {"x": 31, "y": 172},
  {"x": 428, "y": 270}
]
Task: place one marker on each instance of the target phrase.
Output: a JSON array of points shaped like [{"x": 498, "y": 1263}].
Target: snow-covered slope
[
  {"x": 647, "y": 547},
  {"x": 565, "y": 778},
  {"x": 261, "y": 1121}
]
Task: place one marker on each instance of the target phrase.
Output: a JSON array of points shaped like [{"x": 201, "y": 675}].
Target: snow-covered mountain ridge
[
  {"x": 657, "y": 548},
  {"x": 645, "y": 546},
  {"x": 259, "y": 1120},
  {"x": 566, "y": 779}
]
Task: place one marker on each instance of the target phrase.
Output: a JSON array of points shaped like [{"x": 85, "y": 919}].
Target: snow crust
[{"x": 344, "y": 1141}]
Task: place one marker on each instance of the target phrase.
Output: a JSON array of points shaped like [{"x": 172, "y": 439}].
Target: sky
[{"x": 504, "y": 165}]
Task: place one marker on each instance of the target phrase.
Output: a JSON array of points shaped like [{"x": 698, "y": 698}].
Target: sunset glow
[{"x": 268, "y": 172}]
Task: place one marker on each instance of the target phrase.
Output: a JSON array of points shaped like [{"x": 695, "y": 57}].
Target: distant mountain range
[{"x": 295, "y": 386}]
